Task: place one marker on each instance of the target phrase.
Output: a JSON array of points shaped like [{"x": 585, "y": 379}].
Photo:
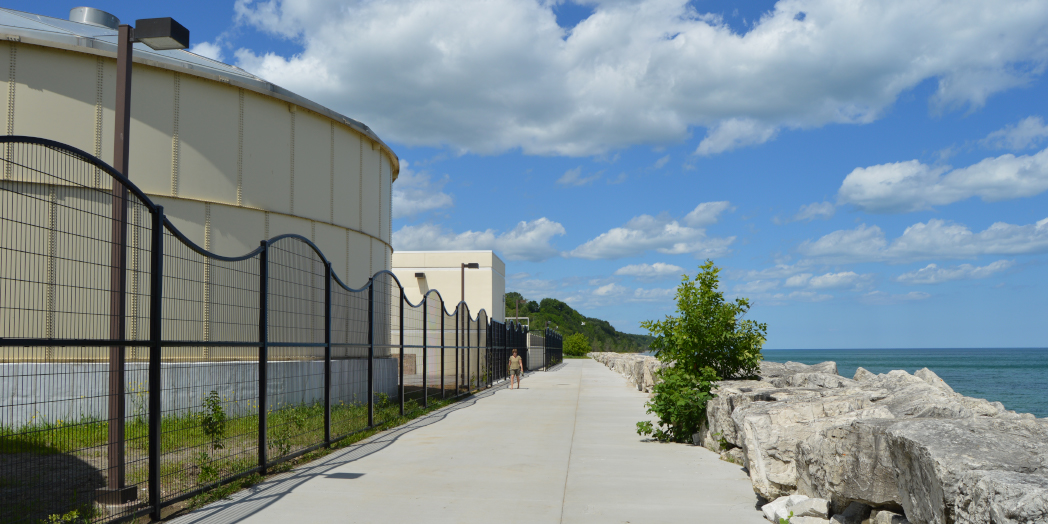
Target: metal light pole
[
  {"x": 464, "y": 322},
  {"x": 471, "y": 265},
  {"x": 157, "y": 33}
]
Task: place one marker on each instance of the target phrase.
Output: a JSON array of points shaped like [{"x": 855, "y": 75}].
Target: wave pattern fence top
[{"x": 138, "y": 369}]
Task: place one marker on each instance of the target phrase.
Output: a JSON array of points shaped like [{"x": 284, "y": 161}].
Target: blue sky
[{"x": 869, "y": 174}]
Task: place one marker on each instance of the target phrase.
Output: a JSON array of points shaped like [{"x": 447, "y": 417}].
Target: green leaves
[
  {"x": 213, "y": 420},
  {"x": 679, "y": 403},
  {"x": 576, "y": 345},
  {"x": 709, "y": 332},
  {"x": 707, "y": 341}
]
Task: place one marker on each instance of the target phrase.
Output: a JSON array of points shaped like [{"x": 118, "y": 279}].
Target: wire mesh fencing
[{"x": 138, "y": 369}]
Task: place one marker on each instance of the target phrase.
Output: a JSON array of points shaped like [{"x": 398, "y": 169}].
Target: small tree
[
  {"x": 706, "y": 342},
  {"x": 576, "y": 345},
  {"x": 709, "y": 332}
]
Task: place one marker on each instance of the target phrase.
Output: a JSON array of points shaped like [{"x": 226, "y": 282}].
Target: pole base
[{"x": 116, "y": 496}]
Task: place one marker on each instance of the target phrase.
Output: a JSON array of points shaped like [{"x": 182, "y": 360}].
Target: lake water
[{"x": 1017, "y": 378}]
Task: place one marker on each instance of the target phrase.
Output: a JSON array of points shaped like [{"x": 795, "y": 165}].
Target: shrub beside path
[{"x": 562, "y": 449}]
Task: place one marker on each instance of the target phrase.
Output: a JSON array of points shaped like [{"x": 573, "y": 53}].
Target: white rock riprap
[
  {"x": 639, "y": 370},
  {"x": 891, "y": 448}
]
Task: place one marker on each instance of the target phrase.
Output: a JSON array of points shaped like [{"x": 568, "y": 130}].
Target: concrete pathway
[{"x": 562, "y": 449}]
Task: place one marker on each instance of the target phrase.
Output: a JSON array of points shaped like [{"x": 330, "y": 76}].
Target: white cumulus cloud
[
  {"x": 933, "y": 274},
  {"x": 1029, "y": 132},
  {"x": 829, "y": 280},
  {"x": 415, "y": 193},
  {"x": 661, "y": 234},
  {"x": 757, "y": 286},
  {"x": 933, "y": 239},
  {"x": 735, "y": 133},
  {"x": 614, "y": 294},
  {"x": 882, "y": 298},
  {"x": 208, "y": 50},
  {"x": 707, "y": 213},
  {"x": 913, "y": 186},
  {"x": 650, "y": 271},
  {"x": 493, "y": 75},
  {"x": 573, "y": 177},
  {"x": 823, "y": 210},
  {"x": 527, "y": 241},
  {"x": 780, "y": 299}
]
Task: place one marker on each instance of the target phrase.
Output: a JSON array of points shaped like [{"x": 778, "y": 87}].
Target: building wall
[
  {"x": 485, "y": 287},
  {"x": 231, "y": 166}
]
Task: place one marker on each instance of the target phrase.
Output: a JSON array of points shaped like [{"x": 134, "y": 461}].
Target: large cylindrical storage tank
[{"x": 232, "y": 158}]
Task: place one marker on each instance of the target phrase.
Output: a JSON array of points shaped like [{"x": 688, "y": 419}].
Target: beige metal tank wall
[
  {"x": 229, "y": 165},
  {"x": 57, "y": 286},
  {"x": 199, "y": 139}
]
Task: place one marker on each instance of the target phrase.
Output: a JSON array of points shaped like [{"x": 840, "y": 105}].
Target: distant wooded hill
[{"x": 602, "y": 336}]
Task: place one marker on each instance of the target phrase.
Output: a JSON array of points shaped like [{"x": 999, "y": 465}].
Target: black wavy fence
[{"x": 138, "y": 369}]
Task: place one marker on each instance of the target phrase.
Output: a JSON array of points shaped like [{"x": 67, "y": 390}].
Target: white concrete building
[{"x": 421, "y": 271}]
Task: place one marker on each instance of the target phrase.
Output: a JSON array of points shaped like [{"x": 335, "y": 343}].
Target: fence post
[
  {"x": 263, "y": 354},
  {"x": 327, "y": 354},
  {"x": 156, "y": 287},
  {"x": 545, "y": 349},
  {"x": 443, "y": 314},
  {"x": 371, "y": 351},
  {"x": 401, "y": 360},
  {"x": 458, "y": 322},
  {"x": 468, "y": 350},
  {"x": 425, "y": 355},
  {"x": 488, "y": 353}
]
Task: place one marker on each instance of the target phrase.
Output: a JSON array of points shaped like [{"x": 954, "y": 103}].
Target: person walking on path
[{"x": 514, "y": 369}]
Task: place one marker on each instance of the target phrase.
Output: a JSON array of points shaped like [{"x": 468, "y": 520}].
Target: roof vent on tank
[{"x": 92, "y": 16}]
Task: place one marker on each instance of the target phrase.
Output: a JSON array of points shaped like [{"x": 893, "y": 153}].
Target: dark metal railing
[{"x": 226, "y": 366}]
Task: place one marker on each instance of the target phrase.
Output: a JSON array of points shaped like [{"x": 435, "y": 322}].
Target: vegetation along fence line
[{"x": 138, "y": 369}]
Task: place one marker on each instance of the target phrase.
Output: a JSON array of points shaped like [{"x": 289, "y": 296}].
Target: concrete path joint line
[{"x": 571, "y": 447}]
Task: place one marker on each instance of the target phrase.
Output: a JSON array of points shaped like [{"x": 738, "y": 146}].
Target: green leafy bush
[
  {"x": 707, "y": 341},
  {"x": 709, "y": 332},
  {"x": 213, "y": 420},
  {"x": 679, "y": 403},
  {"x": 576, "y": 345}
]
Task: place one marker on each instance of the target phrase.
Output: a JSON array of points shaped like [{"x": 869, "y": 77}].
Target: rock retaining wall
[
  {"x": 885, "y": 444},
  {"x": 638, "y": 369}
]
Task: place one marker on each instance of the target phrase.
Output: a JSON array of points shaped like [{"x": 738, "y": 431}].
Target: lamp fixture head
[{"x": 161, "y": 33}]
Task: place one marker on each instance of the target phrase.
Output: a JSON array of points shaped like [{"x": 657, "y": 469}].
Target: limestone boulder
[
  {"x": 780, "y": 508},
  {"x": 770, "y": 432},
  {"x": 908, "y": 396},
  {"x": 849, "y": 463},
  {"x": 812, "y": 507},
  {"x": 809, "y": 520},
  {"x": 862, "y": 375},
  {"x": 931, "y": 378},
  {"x": 728, "y": 397},
  {"x": 974, "y": 470},
  {"x": 770, "y": 370},
  {"x": 886, "y": 517},
  {"x": 813, "y": 380}
]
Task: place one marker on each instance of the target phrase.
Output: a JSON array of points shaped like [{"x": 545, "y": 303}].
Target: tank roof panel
[{"x": 74, "y": 34}]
